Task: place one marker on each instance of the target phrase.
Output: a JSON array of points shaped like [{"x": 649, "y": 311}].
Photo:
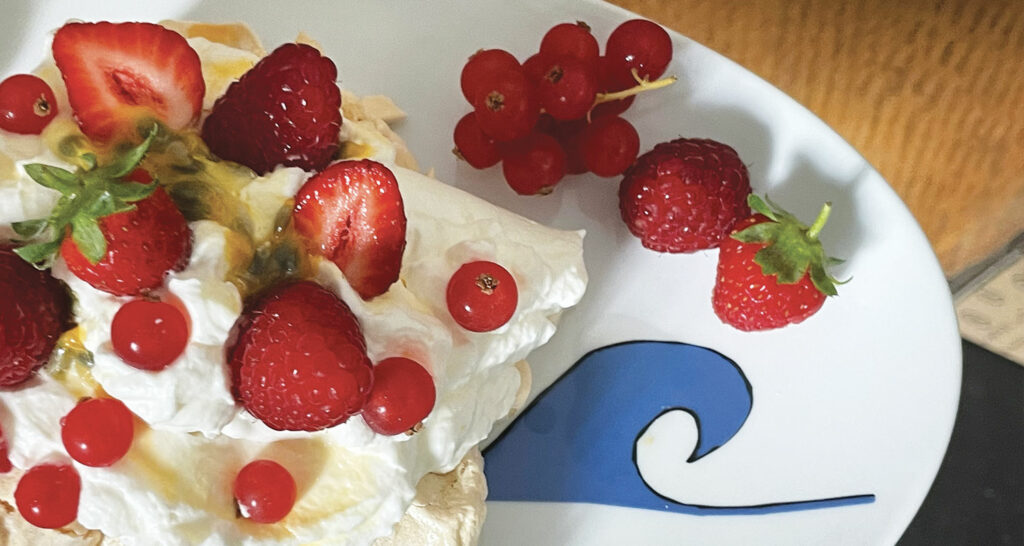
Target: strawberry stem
[{"x": 819, "y": 222}]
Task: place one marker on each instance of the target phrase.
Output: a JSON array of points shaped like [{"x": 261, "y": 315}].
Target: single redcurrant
[
  {"x": 534, "y": 67},
  {"x": 402, "y": 396},
  {"x": 98, "y": 431},
  {"x": 482, "y": 296},
  {"x": 567, "y": 89},
  {"x": 27, "y": 104},
  {"x": 471, "y": 144},
  {"x": 534, "y": 165},
  {"x": 642, "y": 45},
  {"x": 265, "y": 491},
  {"x": 609, "y": 145},
  {"x": 508, "y": 108},
  {"x": 482, "y": 69},
  {"x": 47, "y": 495},
  {"x": 568, "y": 134},
  {"x": 572, "y": 40},
  {"x": 149, "y": 335}
]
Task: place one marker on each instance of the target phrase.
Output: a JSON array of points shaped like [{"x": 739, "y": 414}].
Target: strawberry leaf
[
  {"x": 758, "y": 205},
  {"x": 30, "y": 229},
  {"x": 823, "y": 281},
  {"x": 791, "y": 249},
  {"x": 88, "y": 195},
  {"x": 127, "y": 162},
  {"x": 88, "y": 237},
  {"x": 759, "y": 233},
  {"x": 131, "y": 191},
  {"x": 51, "y": 177},
  {"x": 40, "y": 255}
]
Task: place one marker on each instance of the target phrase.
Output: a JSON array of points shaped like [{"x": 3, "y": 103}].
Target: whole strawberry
[
  {"x": 115, "y": 228},
  {"x": 299, "y": 360},
  {"x": 684, "y": 195},
  {"x": 286, "y": 110},
  {"x": 34, "y": 310},
  {"x": 772, "y": 271}
]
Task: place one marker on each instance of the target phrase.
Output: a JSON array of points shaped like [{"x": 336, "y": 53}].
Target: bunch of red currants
[{"x": 557, "y": 113}]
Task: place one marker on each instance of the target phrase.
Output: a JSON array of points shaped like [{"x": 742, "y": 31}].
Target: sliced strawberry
[
  {"x": 352, "y": 214},
  {"x": 119, "y": 74}
]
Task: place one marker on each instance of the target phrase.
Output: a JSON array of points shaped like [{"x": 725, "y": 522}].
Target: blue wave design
[{"x": 576, "y": 442}]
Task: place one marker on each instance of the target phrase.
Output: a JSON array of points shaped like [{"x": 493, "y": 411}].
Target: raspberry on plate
[
  {"x": 299, "y": 362},
  {"x": 684, "y": 195}
]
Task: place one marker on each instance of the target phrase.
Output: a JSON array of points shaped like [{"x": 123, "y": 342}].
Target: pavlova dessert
[{"x": 250, "y": 319}]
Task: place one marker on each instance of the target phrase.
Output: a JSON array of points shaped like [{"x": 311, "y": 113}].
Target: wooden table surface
[{"x": 930, "y": 92}]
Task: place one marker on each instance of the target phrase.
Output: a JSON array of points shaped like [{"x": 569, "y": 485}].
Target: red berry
[
  {"x": 482, "y": 296},
  {"x": 534, "y": 165},
  {"x": 5, "y": 462},
  {"x": 402, "y": 396},
  {"x": 34, "y": 310},
  {"x": 265, "y": 491},
  {"x": 567, "y": 89},
  {"x": 352, "y": 213},
  {"x": 642, "y": 45},
  {"x": 534, "y": 67},
  {"x": 572, "y": 40},
  {"x": 684, "y": 195},
  {"x": 749, "y": 299},
  {"x": 27, "y": 104},
  {"x": 609, "y": 146},
  {"x": 482, "y": 69},
  {"x": 471, "y": 144},
  {"x": 149, "y": 335},
  {"x": 283, "y": 111},
  {"x": 611, "y": 80},
  {"x": 98, "y": 431},
  {"x": 47, "y": 495},
  {"x": 299, "y": 360},
  {"x": 143, "y": 244},
  {"x": 508, "y": 109},
  {"x": 569, "y": 135},
  {"x": 120, "y": 74}
]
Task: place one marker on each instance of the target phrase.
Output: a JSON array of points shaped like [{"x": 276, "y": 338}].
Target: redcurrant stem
[
  {"x": 819, "y": 222},
  {"x": 642, "y": 85}
]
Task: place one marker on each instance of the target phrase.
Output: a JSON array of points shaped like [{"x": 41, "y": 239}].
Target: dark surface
[{"x": 978, "y": 495}]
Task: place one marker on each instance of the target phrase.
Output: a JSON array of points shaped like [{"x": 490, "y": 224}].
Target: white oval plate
[{"x": 858, "y": 400}]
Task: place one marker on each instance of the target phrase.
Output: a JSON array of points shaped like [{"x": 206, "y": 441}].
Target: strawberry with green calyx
[
  {"x": 113, "y": 225},
  {"x": 772, "y": 270},
  {"x": 87, "y": 195}
]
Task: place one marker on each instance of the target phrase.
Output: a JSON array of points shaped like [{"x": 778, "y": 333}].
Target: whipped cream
[{"x": 174, "y": 486}]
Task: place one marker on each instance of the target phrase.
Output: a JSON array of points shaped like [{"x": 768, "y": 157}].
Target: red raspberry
[
  {"x": 299, "y": 362},
  {"x": 283, "y": 111},
  {"x": 684, "y": 195},
  {"x": 34, "y": 310}
]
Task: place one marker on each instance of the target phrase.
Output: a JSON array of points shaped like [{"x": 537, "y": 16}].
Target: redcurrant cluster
[{"x": 557, "y": 113}]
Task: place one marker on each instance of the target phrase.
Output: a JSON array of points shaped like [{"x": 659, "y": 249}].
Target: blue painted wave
[{"x": 577, "y": 441}]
